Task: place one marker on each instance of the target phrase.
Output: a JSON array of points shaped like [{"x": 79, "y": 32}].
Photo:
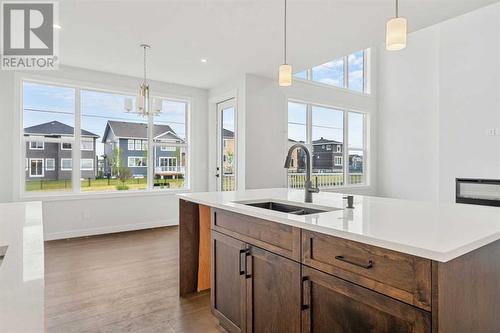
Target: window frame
[
  {"x": 63, "y": 143},
  {"x": 43, "y": 167},
  {"x": 129, "y": 158},
  {"x": 36, "y": 148},
  {"x": 344, "y": 151},
  {"x": 87, "y": 139},
  {"x": 78, "y": 86},
  {"x": 87, "y": 159},
  {"x": 46, "y": 164},
  {"x": 62, "y": 164}
]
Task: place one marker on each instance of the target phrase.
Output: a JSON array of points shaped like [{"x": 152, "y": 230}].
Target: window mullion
[
  {"x": 151, "y": 150},
  {"x": 345, "y": 152},
  {"x": 76, "y": 153}
]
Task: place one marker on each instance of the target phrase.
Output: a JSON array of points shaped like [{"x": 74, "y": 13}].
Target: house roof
[
  {"x": 323, "y": 141},
  {"x": 124, "y": 129},
  {"x": 227, "y": 133},
  {"x": 55, "y": 128}
]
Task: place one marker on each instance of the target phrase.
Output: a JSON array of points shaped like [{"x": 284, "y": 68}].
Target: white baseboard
[{"x": 108, "y": 229}]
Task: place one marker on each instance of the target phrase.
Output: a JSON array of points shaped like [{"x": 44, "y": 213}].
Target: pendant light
[
  {"x": 285, "y": 70},
  {"x": 144, "y": 105},
  {"x": 396, "y": 32}
]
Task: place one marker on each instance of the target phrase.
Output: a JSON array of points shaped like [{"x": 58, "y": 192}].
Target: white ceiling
[{"x": 236, "y": 36}]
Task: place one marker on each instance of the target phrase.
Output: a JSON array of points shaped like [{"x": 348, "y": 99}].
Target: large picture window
[
  {"x": 116, "y": 150},
  {"x": 335, "y": 137}
]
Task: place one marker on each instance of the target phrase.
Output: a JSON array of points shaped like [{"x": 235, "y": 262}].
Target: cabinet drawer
[
  {"x": 401, "y": 276},
  {"x": 274, "y": 237},
  {"x": 335, "y": 305}
]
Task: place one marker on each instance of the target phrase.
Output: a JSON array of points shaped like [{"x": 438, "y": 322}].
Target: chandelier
[{"x": 144, "y": 105}]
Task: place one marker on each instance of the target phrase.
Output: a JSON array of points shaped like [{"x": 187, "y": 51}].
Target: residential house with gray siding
[
  {"x": 126, "y": 144},
  {"x": 52, "y": 160}
]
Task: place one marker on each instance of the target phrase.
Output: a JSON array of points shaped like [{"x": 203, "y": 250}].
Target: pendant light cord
[
  {"x": 144, "y": 64},
  {"x": 397, "y": 8},
  {"x": 284, "y": 29}
]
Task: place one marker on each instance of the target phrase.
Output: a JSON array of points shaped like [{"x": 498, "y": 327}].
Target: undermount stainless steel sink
[{"x": 288, "y": 208}]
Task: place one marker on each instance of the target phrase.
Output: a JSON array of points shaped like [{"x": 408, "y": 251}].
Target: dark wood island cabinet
[{"x": 272, "y": 277}]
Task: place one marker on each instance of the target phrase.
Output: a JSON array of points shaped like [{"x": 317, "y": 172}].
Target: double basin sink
[{"x": 288, "y": 207}]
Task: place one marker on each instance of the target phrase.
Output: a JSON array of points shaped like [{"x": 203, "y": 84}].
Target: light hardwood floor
[{"x": 125, "y": 282}]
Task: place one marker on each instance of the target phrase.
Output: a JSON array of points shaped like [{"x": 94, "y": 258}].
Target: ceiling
[{"x": 235, "y": 36}]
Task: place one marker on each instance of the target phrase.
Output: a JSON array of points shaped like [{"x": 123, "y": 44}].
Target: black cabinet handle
[
  {"x": 365, "y": 266},
  {"x": 305, "y": 295},
  {"x": 243, "y": 259}
]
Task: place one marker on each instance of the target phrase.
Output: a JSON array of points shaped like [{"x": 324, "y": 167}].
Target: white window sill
[
  {"x": 339, "y": 89},
  {"x": 65, "y": 196}
]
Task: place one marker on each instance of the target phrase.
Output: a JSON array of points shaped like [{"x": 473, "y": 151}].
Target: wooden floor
[{"x": 126, "y": 282}]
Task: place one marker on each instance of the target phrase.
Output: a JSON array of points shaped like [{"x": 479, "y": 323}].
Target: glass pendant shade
[
  {"x": 285, "y": 75},
  {"x": 396, "y": 34}
]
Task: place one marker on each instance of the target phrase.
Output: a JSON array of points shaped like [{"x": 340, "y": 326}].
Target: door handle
[
  {"x": 365, "y": 266},
  {"x": 243, "y": 261},
  {"x": 306, "y": 285}
]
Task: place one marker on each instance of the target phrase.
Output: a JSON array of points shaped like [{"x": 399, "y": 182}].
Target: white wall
[
  {"x": 6, "y": 133},
  {"x": 93, "y": 214},
  {"x": 437, "y": 98}
]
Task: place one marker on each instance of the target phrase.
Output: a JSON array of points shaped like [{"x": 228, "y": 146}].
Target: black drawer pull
[
  {"x": 365, "y": 266},
  {"x": 243, "y": 261}
]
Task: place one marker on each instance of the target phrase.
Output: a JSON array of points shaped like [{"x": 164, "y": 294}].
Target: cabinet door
[
  {"x": 334, "y": 305},
  {"x": 228, "y": 284},
  {"x": 273, "y": 293}
]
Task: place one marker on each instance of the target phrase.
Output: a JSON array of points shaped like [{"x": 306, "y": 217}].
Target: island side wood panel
[
  {"x": 189, "y": 237},
  {"x": 204, "y": 248},
  {"x": 468, "y": 292}
]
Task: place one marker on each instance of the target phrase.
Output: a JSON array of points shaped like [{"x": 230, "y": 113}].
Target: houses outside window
[
  {"x": 106, "y": 134},
  {"x": 348, "y": 72},
  {"x": 320, "y": 127}
]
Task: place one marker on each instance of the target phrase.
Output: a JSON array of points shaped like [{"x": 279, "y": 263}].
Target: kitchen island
[
  {"x": 22, "y": 268},
  {"x": 387, "y": 265}
]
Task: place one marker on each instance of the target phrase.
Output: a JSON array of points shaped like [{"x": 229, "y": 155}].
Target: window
[
  {"x": 325, "y": 130},
  {"x": 37, "y": 145},
  {"x": 36, "y": 167},
  {"x": 138, "y": 145},
  {"x": 48, "y": 120},
  {"x": 136, "y": 161},
  {"x": 348, "y": 72},
  {"x": 66, "y": 164},
  {"x": 65, "y": 146},
  {"x": 331, "y": 73},
  {"x": 50, "y": 164},
  {"x": 106, "y": 129},
  {"x": 87, "y": 144},
  {"x": 87, "y": 164}
]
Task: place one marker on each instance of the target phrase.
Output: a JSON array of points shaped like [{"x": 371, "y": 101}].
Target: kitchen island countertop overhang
[{"x": 435, "y": 231}]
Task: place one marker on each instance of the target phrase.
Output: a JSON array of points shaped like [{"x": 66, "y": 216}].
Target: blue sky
[{"x": 44, "y": 103}]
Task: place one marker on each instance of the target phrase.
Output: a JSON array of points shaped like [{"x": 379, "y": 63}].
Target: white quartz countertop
[
  {"x": 434, "y": 231},
  {"x": 22, "y": 269}
]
